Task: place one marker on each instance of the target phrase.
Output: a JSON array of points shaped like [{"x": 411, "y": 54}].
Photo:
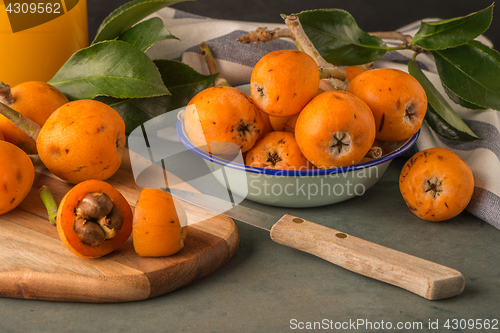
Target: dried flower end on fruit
[
  {"x": 277, "y": 150},
  {"x": 223, "y": 120},
  {"x": 396, "y": 98},
  {"x": 94, "y": 219},
  {"x": 436, "y": 184},
  {"x": 335, "y": 129},
  {"x": 159, "y": 227}
]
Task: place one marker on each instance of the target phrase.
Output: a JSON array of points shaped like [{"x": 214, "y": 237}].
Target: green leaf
[
  {"x": 124, "y": 17},
  {"x": 182, "y": 81},
  {"x": 440, "y": 116},
  {"x": 109, "y": 68},
  {"x": 439, "y": 125},
  {"x": 472, "y": 72},
  {"x": 462, "y": 102},
  {"x": 145, "y": 34},
  {"x": 453, "y": 32},
  {"x": 338, "y": 39},
  {"x": 136, "y": 111}
]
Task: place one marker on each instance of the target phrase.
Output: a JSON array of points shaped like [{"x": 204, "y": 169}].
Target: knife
[{"x": 422, "y": 277}]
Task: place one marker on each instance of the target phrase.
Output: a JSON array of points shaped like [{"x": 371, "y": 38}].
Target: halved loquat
[
  {"x": 159, "y": 227},
  {"x": 94, "y": 219}
]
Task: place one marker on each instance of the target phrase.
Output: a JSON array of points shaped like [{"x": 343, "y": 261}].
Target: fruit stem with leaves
[
  {"x": 328, "y": 72},
  {"x": 452, "y": 43}
]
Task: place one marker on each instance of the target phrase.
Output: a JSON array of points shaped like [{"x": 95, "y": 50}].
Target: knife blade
[{"x": 422, "y": 277}]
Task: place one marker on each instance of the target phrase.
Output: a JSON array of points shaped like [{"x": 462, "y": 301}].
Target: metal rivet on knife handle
[
  {"x": 340, "y": 235},
  {"x": 297, "y": 220}
]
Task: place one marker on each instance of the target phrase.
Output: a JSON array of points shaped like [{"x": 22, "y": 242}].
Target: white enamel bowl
[{"x": 294, "y": 188}]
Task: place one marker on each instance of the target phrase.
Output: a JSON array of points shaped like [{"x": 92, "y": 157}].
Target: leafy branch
[{"x": 468, "y": 70}]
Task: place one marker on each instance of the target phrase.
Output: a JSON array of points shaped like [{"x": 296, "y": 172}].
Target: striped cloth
[{"x": 236, "y": 60}]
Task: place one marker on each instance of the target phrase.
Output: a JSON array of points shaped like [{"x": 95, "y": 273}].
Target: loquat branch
[
  {"x": 327, "y": 70},
  {"x": 28, "y": 126},
  {"x": 264, "y": 35},
  {"x": 394, "y": 35},
  {"x": 6, "y": 94}
]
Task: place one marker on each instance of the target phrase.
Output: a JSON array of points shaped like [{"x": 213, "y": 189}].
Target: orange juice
[{"x": 38, "y": 37}]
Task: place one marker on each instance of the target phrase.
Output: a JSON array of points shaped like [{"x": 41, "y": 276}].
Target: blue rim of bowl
[{"x": 292, "y": 173}]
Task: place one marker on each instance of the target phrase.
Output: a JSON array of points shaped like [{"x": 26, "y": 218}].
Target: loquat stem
[
  {"x": 374, "y": 152},
  {"x": 396, "y": 35},
  {"x": 327, "y": 70},
  {"x": 49, "y": 202},
  {"x": 264, "y": 35},
  {"x": 367, "y": 66},
  {"x": 212, "y": 66},
  {"x": 406, "y": 39},
  {"x": 6, "y": 94},
  {"x": 28, "y": 126},
  {"x": 333, "y": 84}
]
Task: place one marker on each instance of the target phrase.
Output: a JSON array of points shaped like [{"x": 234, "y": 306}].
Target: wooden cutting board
[{"x": 34, "y": 263}]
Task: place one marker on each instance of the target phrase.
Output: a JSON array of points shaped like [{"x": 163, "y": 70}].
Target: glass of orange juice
[{"x": 38, "y": 37}]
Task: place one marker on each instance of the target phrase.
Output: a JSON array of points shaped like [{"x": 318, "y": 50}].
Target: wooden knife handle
[{"x": 420, "y": 276}]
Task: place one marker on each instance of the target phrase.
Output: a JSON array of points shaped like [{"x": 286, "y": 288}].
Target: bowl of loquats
[{"x": 335, "y": 147}]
